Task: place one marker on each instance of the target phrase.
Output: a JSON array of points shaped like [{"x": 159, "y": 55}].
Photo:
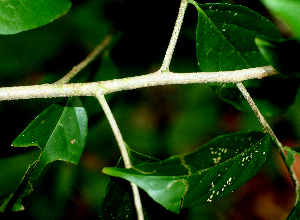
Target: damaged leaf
[{"x": 211, "y": 172}]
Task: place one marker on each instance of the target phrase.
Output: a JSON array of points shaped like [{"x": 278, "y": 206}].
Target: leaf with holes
[
  {"x": 211, "y": 172},
  {"x": 225, "y": 41},
  {"x": 60, "y": 132}
]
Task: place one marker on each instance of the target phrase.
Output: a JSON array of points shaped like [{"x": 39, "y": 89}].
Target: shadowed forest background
[{"x": 157, "y": 121}]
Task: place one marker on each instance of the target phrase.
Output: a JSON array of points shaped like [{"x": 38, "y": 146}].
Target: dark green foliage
[
  {"x": 17, "y": 16},
  {"x": 118, "y": 202},
  {"x": 225, "y": 41},
  {"x": 295, "y": 213},
  {"x": 211, "y": 172},
  {"x": 225, "y": 37},
  {"x": 282, "y": 54},
  {"x": 288, "y": 10},
  {"x": 60, "y": 132}
]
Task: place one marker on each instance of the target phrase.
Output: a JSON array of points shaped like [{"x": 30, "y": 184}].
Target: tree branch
[{"x": 152, "y": 79}]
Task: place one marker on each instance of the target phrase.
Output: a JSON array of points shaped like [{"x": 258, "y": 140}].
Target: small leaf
[
  {"x": 60, "y": 132},
  {"x": 118, "y": 202},
  {"x": 20, "y": 15},
  {"x": 288, "y": 10},
  {"x": 295, "y": 150},
  {"x": 225, "y": 41},
  {"x": 281, "y": 54},
  {"x": 291, "y": 153},
  {"x": 213, "y": 171},
  {"x": 294, "y": 213}
]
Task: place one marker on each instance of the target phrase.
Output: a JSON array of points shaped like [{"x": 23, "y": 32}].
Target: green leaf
[
  {"x": 288, "y": 10},
  {"x": 12, "y": 172},
  {"x": 225, "y": 41},
  {"x": 118, "y": 202},
  {"x": 225, "y": 37},
  {"x": 294, "y": 213},
  {"x": 20, "y": 15},
  {"x": 60, "y": 132},
  {"x": 211, "y": 172},
  {"x": 281, "y": 54},
  {"x": 295, "y": 150},
  {"x": 291, "y": 153}
]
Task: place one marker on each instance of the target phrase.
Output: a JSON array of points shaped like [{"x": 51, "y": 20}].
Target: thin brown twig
[
  {"x": 98, "y": 49},
  {"x": 267, "y": 128}
]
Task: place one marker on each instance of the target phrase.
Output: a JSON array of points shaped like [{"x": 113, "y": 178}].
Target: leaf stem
[
  {"x": 169, "y": 53},
  {"x": 98, "y": 49},
  {"x": 195, "y": 4},
  {"x": 269, "y": 130},
  {"x": 124, "y": 152}
]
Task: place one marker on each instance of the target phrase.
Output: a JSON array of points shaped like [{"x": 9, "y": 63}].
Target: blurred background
[{"x": 158, "y": 121}]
